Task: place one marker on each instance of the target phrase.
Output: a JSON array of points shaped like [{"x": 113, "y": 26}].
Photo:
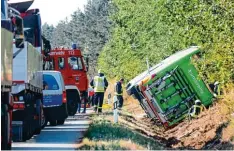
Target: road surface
[{"x": 61, "y": 137}]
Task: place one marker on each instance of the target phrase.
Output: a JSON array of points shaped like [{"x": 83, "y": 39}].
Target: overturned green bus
[{"x": 168, "y": 90}]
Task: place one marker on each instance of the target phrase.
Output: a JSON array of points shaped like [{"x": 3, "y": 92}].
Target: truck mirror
[
  {"x": 87, "y": 68},
  {"x": 87, "y": 63},
  {"x": 19, "y": 32},
  {"x": 46, "y": 45}
]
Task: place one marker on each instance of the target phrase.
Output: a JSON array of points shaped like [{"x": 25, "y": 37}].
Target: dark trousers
[
  {"x": 120, "y": 101},
  {"x": 79, "y": 106},
  {"x": 98, "y": 100},
  {"x": 85, "y": 102}
]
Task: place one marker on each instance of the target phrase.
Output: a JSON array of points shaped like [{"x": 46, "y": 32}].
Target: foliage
[
  {"x": 109, "y": 145},
  {"x": 47, "y": 30},
  {"x": 89, "y": 29},
  {"x": 155, "y": 29}
]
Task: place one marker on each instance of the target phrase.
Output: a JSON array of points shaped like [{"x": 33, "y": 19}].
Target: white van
[{"x": 54, "y": 98}]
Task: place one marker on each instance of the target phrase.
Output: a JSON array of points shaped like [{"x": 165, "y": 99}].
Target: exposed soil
[{"x": 206, "y": 132}]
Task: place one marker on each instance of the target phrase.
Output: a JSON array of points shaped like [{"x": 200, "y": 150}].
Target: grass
[{"x": 104, "y": 135}]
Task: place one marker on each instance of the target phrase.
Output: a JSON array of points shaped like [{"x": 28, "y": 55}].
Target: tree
[
  {"x": 155, "y": 29},
  {"x": 89, "y": 29},
  {"x": 47, "y": 31}
]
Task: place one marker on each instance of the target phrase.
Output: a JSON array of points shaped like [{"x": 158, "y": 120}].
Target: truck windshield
[
  {"x": 49, "y": 82},
  {"x": 75, "y": 63}
]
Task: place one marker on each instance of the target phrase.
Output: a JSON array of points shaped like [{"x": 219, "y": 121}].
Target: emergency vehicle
[{"x": 70, "y": 62}]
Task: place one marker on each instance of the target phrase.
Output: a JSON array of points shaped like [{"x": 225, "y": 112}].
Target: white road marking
[
  {"x": 43, "y": 145},
  {"x": 77, "y": 122},
  {"x": 67, "y": 127},
  {"x": 68, "y": 130},
  {"x": 72, "y": 128}
]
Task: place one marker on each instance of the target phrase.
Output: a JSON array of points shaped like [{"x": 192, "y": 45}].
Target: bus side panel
[{"x": 196, "y": 83}]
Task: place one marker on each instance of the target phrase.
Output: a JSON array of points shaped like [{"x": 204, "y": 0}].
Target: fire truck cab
[{"x": 70, "y": 62}]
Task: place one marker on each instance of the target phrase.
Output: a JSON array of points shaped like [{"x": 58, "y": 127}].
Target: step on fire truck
[
  {"x": 70, "y": 62},
  {"x": 168, "y": 90}
]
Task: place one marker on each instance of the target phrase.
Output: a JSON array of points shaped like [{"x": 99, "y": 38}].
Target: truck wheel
[
  {"x": 44, "y": 124},
  {"x": 72, "y": 108},
  {"x": 60, "y": 122},
  {"x": 37, "y": 131},
  {"x": 5, "y": 128},
  {"x": 41, "y": 116},
  {"x": 73, "y": 98},
  {"x": 26, "y": 133},
  {"x": 43, "y": 119},
  {"x": 9, "y": 146},
  {"x": 31, "y": 133},
  {"x": 53, "y": 122}
]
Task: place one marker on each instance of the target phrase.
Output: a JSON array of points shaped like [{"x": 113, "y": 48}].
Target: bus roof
[{"x": 165, "y": 63}]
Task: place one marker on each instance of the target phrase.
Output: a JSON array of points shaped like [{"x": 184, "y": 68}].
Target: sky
[{"x": 52, "y": 11}]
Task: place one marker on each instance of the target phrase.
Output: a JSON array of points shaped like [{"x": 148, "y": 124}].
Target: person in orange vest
[{"x": 99, "y": 84}]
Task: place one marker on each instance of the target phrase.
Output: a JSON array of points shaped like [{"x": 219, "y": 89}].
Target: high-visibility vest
[
  {"x": 99, "y": 84},
  {"x": 196, "y": 108},
  {"x": 116, "y": 90}
]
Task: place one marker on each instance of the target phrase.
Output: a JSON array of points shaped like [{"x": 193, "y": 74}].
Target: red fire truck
[{"x": 70, "y": 62}]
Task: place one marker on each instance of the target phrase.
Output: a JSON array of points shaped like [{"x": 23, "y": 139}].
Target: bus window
[
  {"x": 61, "y": 63},
  {"x": 75, "y": 63}
]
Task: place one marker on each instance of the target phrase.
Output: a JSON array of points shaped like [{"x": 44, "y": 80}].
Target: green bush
[{"x": 155, "y": 29}]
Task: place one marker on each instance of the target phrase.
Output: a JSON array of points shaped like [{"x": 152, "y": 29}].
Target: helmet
[
  {"x": 216, "y": 83},
  {"x": 75, "y": 67},
  {"x": 197, "y": 102},
  {"x": 122, "y": 79},
  {"x": 99, "y": 71}
]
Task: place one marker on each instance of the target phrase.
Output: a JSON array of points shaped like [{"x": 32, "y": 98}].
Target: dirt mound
[
  {"x": 206, "y": 132},
  {"x": 198, "y": 132}
]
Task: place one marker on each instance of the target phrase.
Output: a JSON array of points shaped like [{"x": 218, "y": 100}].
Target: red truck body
[{"x": 69, "y": 58}]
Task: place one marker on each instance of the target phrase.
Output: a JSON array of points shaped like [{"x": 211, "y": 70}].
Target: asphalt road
[{"x": 61, "y": 137}]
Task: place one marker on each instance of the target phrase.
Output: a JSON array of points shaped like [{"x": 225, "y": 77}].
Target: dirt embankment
[{"x": 210, "y": 131}]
